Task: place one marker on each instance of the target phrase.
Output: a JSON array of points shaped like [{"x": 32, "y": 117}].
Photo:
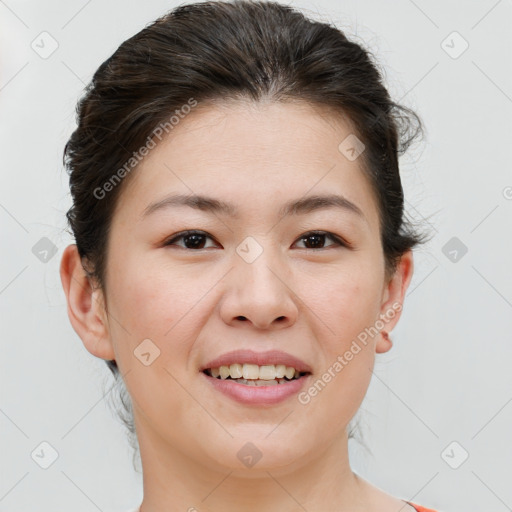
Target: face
[{"x": 248, "y": 278}]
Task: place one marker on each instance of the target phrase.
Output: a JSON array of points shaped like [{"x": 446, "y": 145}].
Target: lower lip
[{"x": 257, "y": 395}]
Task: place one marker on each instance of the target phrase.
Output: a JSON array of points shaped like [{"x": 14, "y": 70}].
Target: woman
[{"x": 241, "y": 252}]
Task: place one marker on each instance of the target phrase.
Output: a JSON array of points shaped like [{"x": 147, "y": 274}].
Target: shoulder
[{"x": 378, "y": 499}]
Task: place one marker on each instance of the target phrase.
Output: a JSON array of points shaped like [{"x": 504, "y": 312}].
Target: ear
[
  {"x": 393, "y": 299},
  {"x": 86, "y": 305}
]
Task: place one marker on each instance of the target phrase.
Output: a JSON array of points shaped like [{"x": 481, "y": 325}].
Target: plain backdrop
[{"x": 437, "y": 417}]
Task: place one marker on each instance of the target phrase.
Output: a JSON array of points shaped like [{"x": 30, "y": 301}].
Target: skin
[{"x": 196, "y": 304}]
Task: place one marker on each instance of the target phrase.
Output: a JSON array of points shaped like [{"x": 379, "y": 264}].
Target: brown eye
[
  {"x": 317, "y": 238},
  {"x": 197, "y": 240},
  {"x": 191, "y": 240}
]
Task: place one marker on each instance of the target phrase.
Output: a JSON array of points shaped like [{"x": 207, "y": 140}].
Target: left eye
[
  {"x": 195, "y": 239},
  {"x": 318, "y": 237}
]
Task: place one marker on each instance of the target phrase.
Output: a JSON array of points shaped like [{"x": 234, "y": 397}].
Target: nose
[{"x": 259, "y": 293}]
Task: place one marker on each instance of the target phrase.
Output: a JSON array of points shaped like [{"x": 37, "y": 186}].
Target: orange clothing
[{"x": 420, "y": 508}]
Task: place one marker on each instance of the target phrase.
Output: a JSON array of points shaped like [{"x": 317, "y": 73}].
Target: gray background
[{"x": 447, "y": 377}]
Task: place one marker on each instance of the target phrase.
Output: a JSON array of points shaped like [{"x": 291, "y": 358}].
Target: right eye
[{"x": 192, "y": 239}]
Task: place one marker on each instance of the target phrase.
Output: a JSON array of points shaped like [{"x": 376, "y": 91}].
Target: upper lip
[{"x": 270, "y": 357}]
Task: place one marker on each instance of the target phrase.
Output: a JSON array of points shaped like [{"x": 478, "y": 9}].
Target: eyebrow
[{"x": 295, "y": 207}]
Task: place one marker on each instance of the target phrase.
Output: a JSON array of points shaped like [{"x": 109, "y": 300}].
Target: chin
[{"x": 253, "y": 456}]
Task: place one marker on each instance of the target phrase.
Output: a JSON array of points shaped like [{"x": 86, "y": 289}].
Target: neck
[{"x": 174, "y": 481}]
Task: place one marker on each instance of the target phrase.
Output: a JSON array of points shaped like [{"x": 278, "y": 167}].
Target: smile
[
  {"x": 255, "y": 392},
  {"x": 255, "y": 375}
]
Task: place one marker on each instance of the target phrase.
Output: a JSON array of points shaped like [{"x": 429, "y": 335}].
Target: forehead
[{"x": 253, "y": 156}]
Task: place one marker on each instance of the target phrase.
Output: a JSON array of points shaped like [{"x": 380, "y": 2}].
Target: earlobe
[
  {"x": 85, "y": 306},
  {"x": 393, "y": 299},
  {"x": 384, "y": 343}
]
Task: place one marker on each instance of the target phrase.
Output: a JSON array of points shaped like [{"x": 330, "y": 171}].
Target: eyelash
[{"x": 338, "y": 241}]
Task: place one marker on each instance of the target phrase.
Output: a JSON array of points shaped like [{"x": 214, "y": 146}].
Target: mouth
[
  {"x": 255, "y": 375},
  {"x": 260, "y": 379},
  {"x": 253, "y": 385}
]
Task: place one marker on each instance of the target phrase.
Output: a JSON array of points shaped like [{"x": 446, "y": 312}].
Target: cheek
[
  {"x": 149, "y": 303},
  {"x": 346, "y": 301},
  {"x": 152, "y": 299},
  {"x": 347, "y": 306},
  {"x": 167, "y": 305}
]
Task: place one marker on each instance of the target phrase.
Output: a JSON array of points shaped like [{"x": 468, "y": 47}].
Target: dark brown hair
[{"x": 239, "y": 50}]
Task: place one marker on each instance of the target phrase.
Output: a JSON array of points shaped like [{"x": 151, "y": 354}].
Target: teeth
[
  {"x": 235, "y": 371},
  {"x": 260, "y": 382},
  {"x": 267, "y": 372},
  {"x": 280, "y": 371},
  {"x": 268, "y": 382},
  {"x": 253, "y": 374},
  {"x": 251, "y": 371},
  {"x": 290, "y": 372}
]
